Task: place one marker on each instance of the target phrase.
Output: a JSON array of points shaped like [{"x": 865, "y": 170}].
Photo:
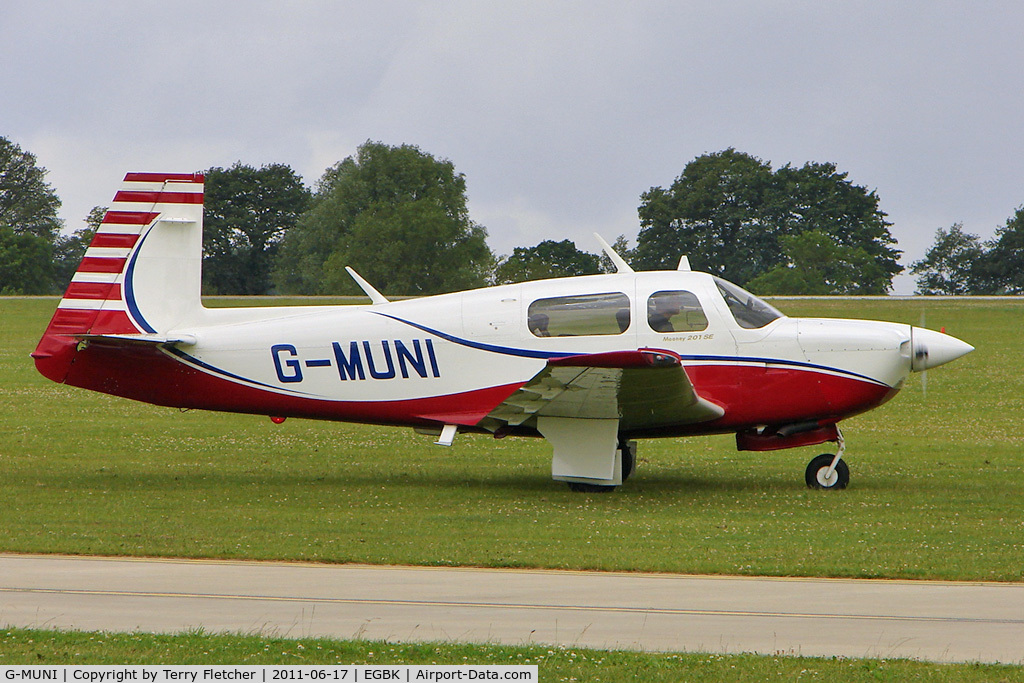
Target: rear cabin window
[
  {"x": 675, "y": 311},
  {"x": 577, "y": 316}
]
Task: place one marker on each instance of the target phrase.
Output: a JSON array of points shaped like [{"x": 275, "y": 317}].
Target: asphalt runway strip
[{"x": 928, "y": 620}]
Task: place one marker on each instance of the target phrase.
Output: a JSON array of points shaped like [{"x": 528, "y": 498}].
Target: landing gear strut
[{"x": 828, "y": 471}]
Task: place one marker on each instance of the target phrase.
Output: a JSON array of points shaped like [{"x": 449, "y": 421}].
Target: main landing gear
[{"x": 828, "y": 471}]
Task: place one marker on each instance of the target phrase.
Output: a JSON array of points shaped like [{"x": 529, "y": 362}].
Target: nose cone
[{"x": 931, "y": 349}]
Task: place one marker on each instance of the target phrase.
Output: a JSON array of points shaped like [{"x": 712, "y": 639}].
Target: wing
[{"x": 641, "y": 388}]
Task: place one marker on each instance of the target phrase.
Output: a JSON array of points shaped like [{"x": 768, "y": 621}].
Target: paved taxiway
[{"x": 653, "y": 612}]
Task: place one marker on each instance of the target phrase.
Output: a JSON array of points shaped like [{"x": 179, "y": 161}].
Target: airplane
[{"x": 591, "y": 363}]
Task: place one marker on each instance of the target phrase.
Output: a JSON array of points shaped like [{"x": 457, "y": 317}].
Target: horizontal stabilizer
[{"x": 159, "y": 339}]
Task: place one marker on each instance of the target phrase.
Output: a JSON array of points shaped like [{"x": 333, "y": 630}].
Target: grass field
[
  {"x": 18, "y": 646},
  {"x": 935, "y": 489}
]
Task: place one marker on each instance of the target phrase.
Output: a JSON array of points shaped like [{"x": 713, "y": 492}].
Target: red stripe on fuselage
[
  {"x": 755, "y": 395},
  {"x": 779, "y": 395},
  {"x": 751, "y": 396},
  {"x": 145, "y": 374},
  {"x": 159, "y": 197}
]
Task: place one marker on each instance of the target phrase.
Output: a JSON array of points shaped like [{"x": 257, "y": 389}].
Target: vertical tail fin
[{"x": 141, "y": 272}]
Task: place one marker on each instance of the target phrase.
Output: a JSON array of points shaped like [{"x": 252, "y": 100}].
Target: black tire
[
  {"x": 580, "y": 487},
  {"x": 628, "y": 460},
  {"x": 819, "y": 465}
]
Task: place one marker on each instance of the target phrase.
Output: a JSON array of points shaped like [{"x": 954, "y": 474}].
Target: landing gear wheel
[
  {"x": 580, "y": 487},
  {"x": 818, "y": 468},
  {"x": 628, "y": 458}
]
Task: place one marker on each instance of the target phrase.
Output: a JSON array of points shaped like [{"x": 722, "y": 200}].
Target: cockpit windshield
[{"x": 750, "y": 312}]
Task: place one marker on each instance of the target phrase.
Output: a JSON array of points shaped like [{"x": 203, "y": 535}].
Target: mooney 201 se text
[{"x": 591, "y": 363}]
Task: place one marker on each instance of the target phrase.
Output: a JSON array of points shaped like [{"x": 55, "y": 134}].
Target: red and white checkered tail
[{"x": 140, "y": 275}]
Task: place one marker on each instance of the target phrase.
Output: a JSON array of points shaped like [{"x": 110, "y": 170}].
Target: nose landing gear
[{"x": 828, "y": 471}]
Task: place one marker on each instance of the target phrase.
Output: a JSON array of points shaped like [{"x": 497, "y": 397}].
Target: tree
[
  {"x": 546, "y": 260},
  {"x": 395, "y": 214},
  {"x": 817, "y": 197},
  {"x": 816, "y": 264},
  {"x": 716, "y": 214},
  {"x": 28, "y": 223},
  {"x": 28, "y": 204},
  {"x": 729, "y": 211},
  {"x": 1002, "y": 266},
  {"x": 621, "y": 247},
  {"x": 68, "y": 250},
  {"x": 25, "y": 266},
  {"x": 246, "y": 213},
  {"x": 954, "y": 264}
]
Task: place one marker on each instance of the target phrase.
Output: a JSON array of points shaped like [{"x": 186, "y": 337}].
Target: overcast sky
[{"x": 560, "y": 114}]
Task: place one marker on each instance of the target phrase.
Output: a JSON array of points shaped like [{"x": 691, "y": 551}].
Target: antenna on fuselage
[
  {"x": 620, "y": 264},
  {"x": 684, "y": 263},
  {"x": 375, "y": 296}
]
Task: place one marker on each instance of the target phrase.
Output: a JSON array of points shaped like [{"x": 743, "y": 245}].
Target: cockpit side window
[
  {"x": 675, "y": 311},
  {"x": 750, "y": 312},
  {"x": 581, "y": 315}
]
